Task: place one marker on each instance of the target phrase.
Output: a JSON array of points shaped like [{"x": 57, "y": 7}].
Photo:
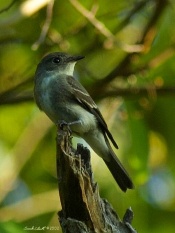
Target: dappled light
[{"x": 129, "y": 70}]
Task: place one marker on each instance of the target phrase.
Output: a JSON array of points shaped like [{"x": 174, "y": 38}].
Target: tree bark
[{"x": 83, "y": 211}]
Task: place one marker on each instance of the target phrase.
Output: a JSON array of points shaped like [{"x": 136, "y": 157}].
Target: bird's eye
[{"x": 56, "y": 60}]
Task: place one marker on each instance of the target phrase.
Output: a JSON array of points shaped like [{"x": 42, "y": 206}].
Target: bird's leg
[
  {"x": 63, "y": 124},
  {"x": 74, "y": 122}
]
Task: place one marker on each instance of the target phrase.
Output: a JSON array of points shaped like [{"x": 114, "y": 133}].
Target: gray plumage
[{"x": 63, "y": 98}]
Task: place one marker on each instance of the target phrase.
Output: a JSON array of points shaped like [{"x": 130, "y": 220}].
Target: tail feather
[
  {"x": 119, "y": 173},
  {"x": 116, "y": 168},
  {"x": 99, "y": 142}
]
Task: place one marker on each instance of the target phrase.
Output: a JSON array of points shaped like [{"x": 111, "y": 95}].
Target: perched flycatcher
[{"x": 63, "y": 98}]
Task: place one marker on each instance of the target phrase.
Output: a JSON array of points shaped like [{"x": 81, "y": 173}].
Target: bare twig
[
  {"x": 26, "y": 9},
  {"x": 132, "y": 92},
  {"x": 138, "y": 6},
  {"x": 150, "y": 29},
  {"x": 46, "y": 26},
  {"x": 90, "y": 16},
  {"x": 125, "y": 68},
  {"x": 17, "y": 94}
]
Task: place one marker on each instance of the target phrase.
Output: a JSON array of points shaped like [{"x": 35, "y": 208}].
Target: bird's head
[{"x": 58, "y": 62}]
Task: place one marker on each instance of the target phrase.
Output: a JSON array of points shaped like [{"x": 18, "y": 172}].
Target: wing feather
[{"x": 87, "y": 102}]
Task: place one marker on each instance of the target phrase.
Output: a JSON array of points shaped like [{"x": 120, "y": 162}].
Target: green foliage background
[{"x": 129, "y": 70}]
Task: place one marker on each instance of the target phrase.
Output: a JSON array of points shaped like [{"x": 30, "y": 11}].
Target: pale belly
[{"x": 70, "y": 113}]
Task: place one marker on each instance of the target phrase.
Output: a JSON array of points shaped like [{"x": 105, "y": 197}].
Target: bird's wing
[{"x": 83, "y": 97}]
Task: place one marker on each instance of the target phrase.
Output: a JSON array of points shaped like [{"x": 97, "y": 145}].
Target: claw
[
  {"x": 65, "y": 126},
  {"x": 62, "y": 124}
]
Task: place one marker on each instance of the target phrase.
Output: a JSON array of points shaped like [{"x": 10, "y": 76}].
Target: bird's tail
[
  {"x": 100, "y": 144},
  {"x": 119, "y": 173}
]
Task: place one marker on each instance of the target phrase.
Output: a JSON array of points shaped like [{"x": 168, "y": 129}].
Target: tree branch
[
  {"x": 82, "y": 208},
  {"x": 100, "y": 26},
  {"x": 124, "y": 68},
  {"x": 138, "y": 6},
  {"x": 46, "y": 26},
  {"x": 18, "y": 93},
  {"x": 150, "y": 91},
  {"x": 14, "y": 96}
]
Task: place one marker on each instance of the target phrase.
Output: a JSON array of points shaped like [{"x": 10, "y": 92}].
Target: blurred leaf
[
  {"x": 9, "y": 227},
  {"x": 142, "y": 121},
  {"x": 139, "y": 141}
]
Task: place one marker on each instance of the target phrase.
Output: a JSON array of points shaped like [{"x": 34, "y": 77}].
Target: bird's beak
[{"x": 74, "y": 58}]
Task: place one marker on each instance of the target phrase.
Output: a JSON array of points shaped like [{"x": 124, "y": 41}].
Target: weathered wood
[{"x": 83, "y": 211}]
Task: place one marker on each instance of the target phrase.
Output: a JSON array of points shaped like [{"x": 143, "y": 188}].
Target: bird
[{"x": 64, "y": 99}]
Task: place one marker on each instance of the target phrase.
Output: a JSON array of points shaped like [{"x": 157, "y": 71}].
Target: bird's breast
[
  {"x": 44, "y": 94},
  {"x": 56, "y": 100}
]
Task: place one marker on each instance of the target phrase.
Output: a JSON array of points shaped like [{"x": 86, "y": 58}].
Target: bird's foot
[{"x": 63, "y": 125}]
